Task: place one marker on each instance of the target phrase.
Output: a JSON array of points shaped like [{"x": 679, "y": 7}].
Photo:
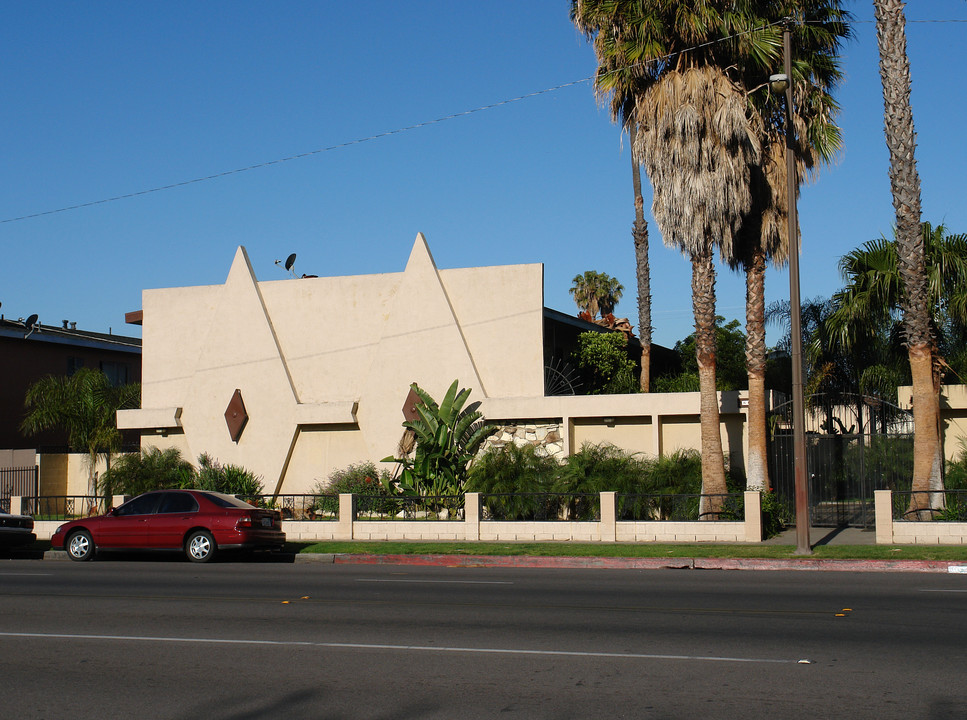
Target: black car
[{"x": 16, "y": 530}]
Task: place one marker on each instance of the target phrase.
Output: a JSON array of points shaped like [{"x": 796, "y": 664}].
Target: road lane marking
[
  {"x": 438, "y": 582},
  {"x": 403, "y": 648},
  {"x": 7, "y": 574}
]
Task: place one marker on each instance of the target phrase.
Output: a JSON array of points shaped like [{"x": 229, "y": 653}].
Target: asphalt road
[{"x": 169, "y": 639}]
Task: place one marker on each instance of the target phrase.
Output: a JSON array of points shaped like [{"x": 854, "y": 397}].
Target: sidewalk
[
  {"x": 827, "y": 536},
  {"x": 817, "y": 536}
]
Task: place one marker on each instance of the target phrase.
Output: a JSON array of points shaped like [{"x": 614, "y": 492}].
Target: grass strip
[{"x": 856, "y": 552}]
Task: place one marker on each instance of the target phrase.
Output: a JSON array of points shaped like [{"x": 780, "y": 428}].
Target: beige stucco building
[{"x": 323, "y": 366}]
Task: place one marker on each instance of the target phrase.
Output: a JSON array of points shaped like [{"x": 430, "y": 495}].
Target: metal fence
[
  {"x": 18, "y": 481},
  {"x": 298, "y": 507},
  {"x": 64, "y": 507},
  {"x": 404, "y": 507},
  {"x": 541, "y": 506},
  {"x": 940, "y": 506},
  {"x": 681, "y": 508},
  {"x": 854, "y": 446}
]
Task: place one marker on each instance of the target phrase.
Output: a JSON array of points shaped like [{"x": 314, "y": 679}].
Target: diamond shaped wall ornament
[
  {"x": 235, "y": 416},
  {"x": 409, "y": 406}
]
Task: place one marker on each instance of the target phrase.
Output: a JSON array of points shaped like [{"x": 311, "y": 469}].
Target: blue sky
[{"x": 109, "y": 98}]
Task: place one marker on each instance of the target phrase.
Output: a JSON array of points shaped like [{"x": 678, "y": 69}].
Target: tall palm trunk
[
  {"x": 905, "y": 184},
  {"x": 639, "y": 233},
  {"x": 713, "y": 460},
  {"x": 756, "y": 465}
]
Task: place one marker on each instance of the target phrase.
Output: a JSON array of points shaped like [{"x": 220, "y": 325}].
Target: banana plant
[{"x": 448, "y": 436}]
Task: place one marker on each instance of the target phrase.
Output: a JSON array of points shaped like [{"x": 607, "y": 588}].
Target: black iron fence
[
  {"x": 18, "y": 482},
  {"x": 541, "y": 506},
  {"x": 299, "y": 506},
  {"x": 63, "y": 507},
  {"x": 854, "y": 446},
  {"x": 405, "y": 507},
  {"x": 939, "y": 506},
  {"x": 681, "y": 508}
]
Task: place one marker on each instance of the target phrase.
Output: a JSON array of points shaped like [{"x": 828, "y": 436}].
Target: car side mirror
[{"x": 112, "y": 511}]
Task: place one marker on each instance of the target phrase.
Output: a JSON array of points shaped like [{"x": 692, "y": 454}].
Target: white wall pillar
[
  {"x": 471, "y": 515},
  {"x": 347, "y": 516},
  {"x": 753, "y": 516},
  {"x": 609, "y": 514},
  {"x": 883, "y": 514}
]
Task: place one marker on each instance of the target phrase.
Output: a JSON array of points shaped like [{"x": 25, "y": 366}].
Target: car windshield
[{"x": 226, "y": 500}]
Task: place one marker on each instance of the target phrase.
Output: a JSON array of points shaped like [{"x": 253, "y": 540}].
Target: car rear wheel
[
  {"x": 80, "y": 546},
  {"x": 200, "y": 546}
]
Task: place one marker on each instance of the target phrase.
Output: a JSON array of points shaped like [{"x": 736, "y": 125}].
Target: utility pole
[{"x": 783, "y": 83}]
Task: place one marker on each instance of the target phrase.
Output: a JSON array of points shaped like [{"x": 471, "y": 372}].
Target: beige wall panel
[
  {"x": 172, "y": 338},
  {"x": 422, "y": 343},
  {"x": 329, "y": 329},
  {"x": 501, "y": 314},
  {"x": 53, "y": 475},
  {"x": 954, "y": 433},
  {"x": 634, "y": 434},
  {"x": 319, "y": 451},
  {"x": 680, "y": 432}
]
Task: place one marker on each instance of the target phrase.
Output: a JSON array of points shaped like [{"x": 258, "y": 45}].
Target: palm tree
[
  {"x": 84, "y": 405},
  {"x": 664, "y": 69},
  {"x": 639, "y": 232},
  {"x": 596, "y": 292},
  {"x": 870, "y": 307},
  {"x": 905, "y": 185},
  {"x": 816, "y": 70}
]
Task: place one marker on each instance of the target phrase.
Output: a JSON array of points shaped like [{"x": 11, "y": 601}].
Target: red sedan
[{"x": 197, "y": 522}]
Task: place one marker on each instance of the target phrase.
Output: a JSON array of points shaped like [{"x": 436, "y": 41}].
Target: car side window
[
  {"x": 177, "y": 503},
  {"x": 143, "y": 505}
]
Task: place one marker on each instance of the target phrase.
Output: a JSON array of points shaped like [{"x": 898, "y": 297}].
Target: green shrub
[
  {"x": 154, "y": 469},
  {"x": 230, "y": 479},
  {"x": 776, "y": 515},
  {"x": 508, "y": 477},
  {"x": 604, "y": 468},
  {"x": 358, "y": 479},
  {"x": 363, "y": 480},
  {"x": 677, "y": 474},
  {"x": 150, "y": 469}
]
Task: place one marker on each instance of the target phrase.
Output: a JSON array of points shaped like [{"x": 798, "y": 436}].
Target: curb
[
  {"x": 621, "y": 563},
  {"x": 643, "y": 563}
]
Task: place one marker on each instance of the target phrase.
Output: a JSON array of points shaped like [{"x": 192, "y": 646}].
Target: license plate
[{"x": 266, "y": 522}]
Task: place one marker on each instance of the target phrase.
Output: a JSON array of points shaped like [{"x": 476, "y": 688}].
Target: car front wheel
[
  {"x": 200, "y": 546},
  {"x": 80, "y": 546}
]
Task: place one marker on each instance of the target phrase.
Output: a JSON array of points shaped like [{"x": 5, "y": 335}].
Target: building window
[
  {"x": 74, "y": 364},
  {"x": 117, "y": 373}
]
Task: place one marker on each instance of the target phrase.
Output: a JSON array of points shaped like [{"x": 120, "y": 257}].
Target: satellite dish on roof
[
  {"x": 31, "y": 324},
  {"x": 289, "y": 262}
]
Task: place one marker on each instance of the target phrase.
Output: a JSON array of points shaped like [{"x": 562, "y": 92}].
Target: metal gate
[
  {"x": 22, "y": 481},
  {"x": 854, "y": 445}
]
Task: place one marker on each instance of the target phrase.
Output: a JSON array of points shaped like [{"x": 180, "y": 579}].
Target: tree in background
[
  {"x": 730, "y": 367},
  {"x": 602, "y": 359},
  {"x": 596, "y": 293},
  {"x": 84, "y": 405}
]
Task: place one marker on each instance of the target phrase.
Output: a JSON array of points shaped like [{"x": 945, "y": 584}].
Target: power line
[
  {"x": 388, "y": 133},
  {"x": 279, "y": 161}
]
